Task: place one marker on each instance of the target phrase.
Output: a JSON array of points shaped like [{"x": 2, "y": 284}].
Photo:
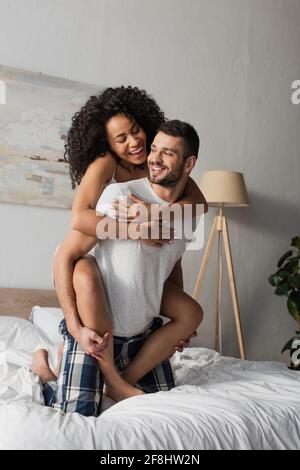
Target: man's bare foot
[{"x": 40, "y": 366}]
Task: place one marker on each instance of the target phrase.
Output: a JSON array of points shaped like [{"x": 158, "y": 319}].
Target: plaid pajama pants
[{"x": 80, "y": 384}]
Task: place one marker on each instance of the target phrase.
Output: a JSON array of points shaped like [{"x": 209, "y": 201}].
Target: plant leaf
[
  {"x": 282, "y": 289},
  {"x": 288, "y": 345},
  {"x": 282, "y": 274},
  {"x": 274, "y": 280},
  {"x": 296, "y": 242},
  {"x": 294, "y": 281},
  {"x": 291, "y": 266},
  {"x": 293, "y": 304},
  {"x": 284, "y": 257}
]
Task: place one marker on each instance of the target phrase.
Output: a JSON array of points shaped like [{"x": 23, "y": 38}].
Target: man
[{"x": 133, "y": 275}]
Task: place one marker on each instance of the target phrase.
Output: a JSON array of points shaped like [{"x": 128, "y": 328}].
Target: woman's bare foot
[
  {"x": 117, "y": 389},
  {"x": 40, "y": 366}
]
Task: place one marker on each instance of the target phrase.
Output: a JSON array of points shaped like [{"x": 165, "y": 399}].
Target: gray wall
[{"x": 224, "y": 65}]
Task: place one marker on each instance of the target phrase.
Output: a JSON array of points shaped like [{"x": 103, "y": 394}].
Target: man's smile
[{"x": 157, "y": 170}]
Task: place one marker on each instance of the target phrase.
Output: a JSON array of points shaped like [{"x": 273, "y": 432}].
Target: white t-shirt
[{"x": 133, "y": 273}]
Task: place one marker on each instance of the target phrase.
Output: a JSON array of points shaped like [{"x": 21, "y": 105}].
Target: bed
[{"x": 219, "y": 402}]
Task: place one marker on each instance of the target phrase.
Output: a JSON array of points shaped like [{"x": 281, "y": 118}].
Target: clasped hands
[{"x": 151, "y": 228}]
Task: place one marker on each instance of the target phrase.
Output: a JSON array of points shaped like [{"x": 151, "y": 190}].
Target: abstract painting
[{"x": 34, "y": 121}]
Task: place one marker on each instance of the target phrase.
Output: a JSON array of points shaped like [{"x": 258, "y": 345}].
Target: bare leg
[
  {"x": 92, "y": 309},
  {"x": 90, "y": 296},
  {"x": 90, "y": 299},
  {"x": 116, "y": 387},
  {"x": 186, "y": 315},
  {"x": 59, "y": 358}
]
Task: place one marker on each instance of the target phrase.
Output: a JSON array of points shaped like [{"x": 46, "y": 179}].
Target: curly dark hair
[{"x": 86, "y": 139}]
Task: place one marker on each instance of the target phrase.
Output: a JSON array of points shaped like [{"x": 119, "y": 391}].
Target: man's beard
[{"x": 171, "y": 179}]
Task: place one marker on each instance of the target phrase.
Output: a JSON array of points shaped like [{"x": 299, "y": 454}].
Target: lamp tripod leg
[
  {"x": 206, "y": 256},
  {"x": 218, "y": 324},
  {"x": 233, "y": 287}
]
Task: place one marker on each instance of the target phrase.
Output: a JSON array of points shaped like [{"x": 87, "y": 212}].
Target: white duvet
[{"x": 219, "y": 403}]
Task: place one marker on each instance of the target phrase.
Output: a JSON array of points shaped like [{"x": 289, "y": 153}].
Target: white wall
[{"x": 224, "y": 65}]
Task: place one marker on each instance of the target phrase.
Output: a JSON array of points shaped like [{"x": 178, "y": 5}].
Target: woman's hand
[
  {"x": 131, "y": 209},
  {"x": 154, "y": 231}
]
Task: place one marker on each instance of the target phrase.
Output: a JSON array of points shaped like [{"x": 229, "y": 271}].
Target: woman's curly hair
[{"x": 86, "y": 139}]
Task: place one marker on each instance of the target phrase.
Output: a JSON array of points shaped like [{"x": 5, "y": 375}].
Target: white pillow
[
  {"x": 46, "y": 320},
  {"x": 19, "y": 338},
  {"x": 20, "y": 334}
]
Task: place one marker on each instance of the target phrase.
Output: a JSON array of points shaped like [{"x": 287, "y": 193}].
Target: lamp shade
[{"x": 224, "y": 188}]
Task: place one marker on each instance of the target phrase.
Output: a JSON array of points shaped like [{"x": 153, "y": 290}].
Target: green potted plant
[{"x": 286, "y": 281}]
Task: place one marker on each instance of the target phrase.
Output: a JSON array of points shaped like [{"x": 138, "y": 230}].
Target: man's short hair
[{"x": 184, "y": 130}]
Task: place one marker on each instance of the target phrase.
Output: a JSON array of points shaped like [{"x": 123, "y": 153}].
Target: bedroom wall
[{"x": 224, "y": 65}]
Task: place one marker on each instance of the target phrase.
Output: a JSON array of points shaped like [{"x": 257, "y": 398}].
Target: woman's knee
[
  {"x": 86, "y": 275},
  {"x": 192, "y": 315}
]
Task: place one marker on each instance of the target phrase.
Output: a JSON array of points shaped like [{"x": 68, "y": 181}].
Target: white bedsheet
[{"x": 219, "y": 403}]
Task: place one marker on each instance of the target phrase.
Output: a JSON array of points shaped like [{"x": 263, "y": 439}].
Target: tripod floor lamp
[{"x": 221, "y": 189}]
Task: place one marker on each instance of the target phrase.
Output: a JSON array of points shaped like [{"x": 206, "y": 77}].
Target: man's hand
[{"x": 91, "y": 342}]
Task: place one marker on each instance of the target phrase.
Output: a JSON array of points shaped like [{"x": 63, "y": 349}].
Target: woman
[{"x": 108, "y": 141}]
